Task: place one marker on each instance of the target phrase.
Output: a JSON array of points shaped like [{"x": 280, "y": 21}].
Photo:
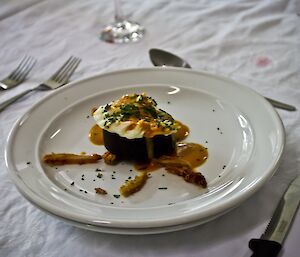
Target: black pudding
[{"x": 139, "y": 149}]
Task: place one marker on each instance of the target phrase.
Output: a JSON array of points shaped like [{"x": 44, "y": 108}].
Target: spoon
[{"x": 163, "y": 58}]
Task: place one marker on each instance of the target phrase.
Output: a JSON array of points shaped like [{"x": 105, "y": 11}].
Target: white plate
[{"x": 243, "y": 133}]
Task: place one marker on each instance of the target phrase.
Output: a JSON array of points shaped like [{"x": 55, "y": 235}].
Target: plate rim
[{"x": 231, "y": 202}]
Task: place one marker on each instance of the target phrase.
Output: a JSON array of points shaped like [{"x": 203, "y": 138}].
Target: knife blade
[{"x": 270, "y": 243}]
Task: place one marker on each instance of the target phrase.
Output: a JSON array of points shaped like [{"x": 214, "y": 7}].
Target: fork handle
[{"x": 8, "y": 102}]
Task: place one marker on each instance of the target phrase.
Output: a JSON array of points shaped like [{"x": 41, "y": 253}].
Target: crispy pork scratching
[
  {"x": 134, "y": 185},
  {"x": 183, "y": 169},
  {"x": 110, "y": 159},
  {"x": 67, "y": 158},
  {"x": 100, "y": 191}
]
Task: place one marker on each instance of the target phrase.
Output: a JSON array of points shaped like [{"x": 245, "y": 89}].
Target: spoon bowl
[{"x": 163, "y": 58}]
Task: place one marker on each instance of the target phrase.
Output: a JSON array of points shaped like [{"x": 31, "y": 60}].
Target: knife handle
[{"x": 264, "y": 248}]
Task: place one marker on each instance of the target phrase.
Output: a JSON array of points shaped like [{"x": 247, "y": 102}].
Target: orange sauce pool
[
  {"x": 96, "y": 135},
  {"x": 187, "y": 153},
  {"x": 181, "y": 133},
  {"x": 192, "y": 153}
]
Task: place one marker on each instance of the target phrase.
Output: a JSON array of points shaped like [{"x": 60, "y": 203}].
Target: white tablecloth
[{"x": 252, "y": 41}]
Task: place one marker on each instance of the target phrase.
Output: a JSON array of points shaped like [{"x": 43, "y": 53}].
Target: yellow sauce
[
  {"x": 181, "y": 133},
  {"x": 96, "y": 135},
  {"x": 192, "y": 154},
  {"x": 148, "y": 167}
]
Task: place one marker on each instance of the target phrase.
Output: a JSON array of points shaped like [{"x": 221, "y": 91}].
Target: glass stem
[{"x": 118, "y": 11}]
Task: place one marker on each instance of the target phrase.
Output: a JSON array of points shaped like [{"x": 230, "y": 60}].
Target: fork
[
  {"x": 58, "y": 79},
  {"x": 18, "y": 75}
]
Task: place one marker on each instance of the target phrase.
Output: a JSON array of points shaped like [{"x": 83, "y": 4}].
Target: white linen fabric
[{"x": 254, "y": 42}]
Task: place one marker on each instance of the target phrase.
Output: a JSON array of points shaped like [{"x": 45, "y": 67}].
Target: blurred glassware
[{"x": 122, "y": 30}]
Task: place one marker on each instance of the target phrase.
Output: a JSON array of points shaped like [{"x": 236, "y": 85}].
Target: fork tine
[
  {"x": 63, "y": 72},
  {"x": 69, "y": 72},
  {"x": 19, "y": 75},
  {"x": 16, "y": 71},
  {"x": 27, "y": 69},
  {"x": 56, "y": 74}
]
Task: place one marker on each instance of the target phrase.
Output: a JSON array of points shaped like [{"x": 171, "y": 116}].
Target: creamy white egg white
[
  {"x": 118, "y": 127},
  {"x": 135, "y": 116}
]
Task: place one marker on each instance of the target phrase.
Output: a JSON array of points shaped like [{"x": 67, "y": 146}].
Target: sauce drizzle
[
  {"x": 187, "y": 154},
  {"x": 96, "y": 135},
  {"x": 190, "y": 154},
  {"x": 181, "y": 133}
]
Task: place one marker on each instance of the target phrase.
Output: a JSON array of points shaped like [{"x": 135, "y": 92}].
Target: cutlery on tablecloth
[
  {"x": 58, "y": 79},
  {"x": 270, "y": 243},
  {"x": 163, "y": 58},
  {"x": 18, "y": 75}
]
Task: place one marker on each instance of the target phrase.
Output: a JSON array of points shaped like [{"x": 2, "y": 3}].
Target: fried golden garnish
[
  {"x": 110, "y": 159},
  {"x": 188, "y": 175},
  {"x": 134, "y": 185},
  {"x": 67, "y": 158},
  {"x": 183, "y": 169},
  {"x": 100, "y": 191}
]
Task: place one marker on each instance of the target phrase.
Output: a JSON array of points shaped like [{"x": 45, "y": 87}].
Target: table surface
[{"x": 254, "y": 42}]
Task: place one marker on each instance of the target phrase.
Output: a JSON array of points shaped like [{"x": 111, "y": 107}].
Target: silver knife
[{"x": 271, "y": 241}]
